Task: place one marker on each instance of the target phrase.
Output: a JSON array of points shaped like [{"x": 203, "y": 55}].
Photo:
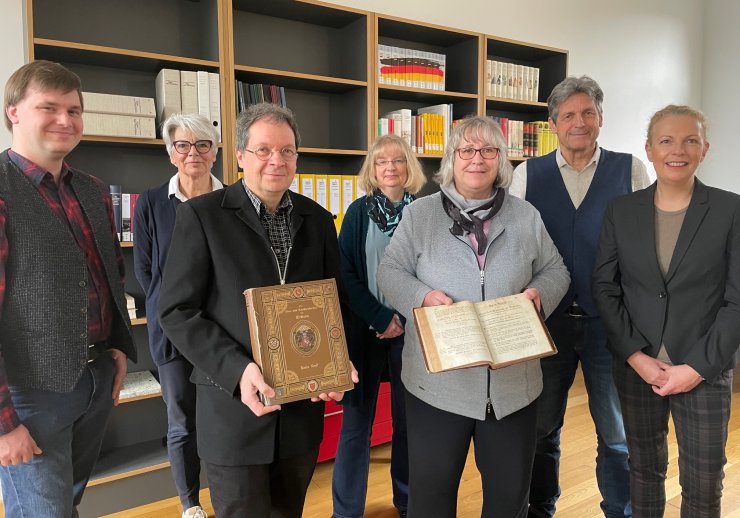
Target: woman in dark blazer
[
  {"x": 391, "y": 175},
  {"x": 667, "y": 283},
  {"x": 192, "y": 144}
]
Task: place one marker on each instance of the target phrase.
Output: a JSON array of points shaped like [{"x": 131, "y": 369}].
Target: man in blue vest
[
  {"x": 571, "y": 188},
  {"x": 65, "y": 334}
]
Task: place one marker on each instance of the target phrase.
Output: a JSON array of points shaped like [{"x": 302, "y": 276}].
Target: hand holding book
[{"x": 496, "y": 333}]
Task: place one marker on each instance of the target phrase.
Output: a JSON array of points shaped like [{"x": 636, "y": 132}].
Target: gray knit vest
[{"x": 43, "y": 327}]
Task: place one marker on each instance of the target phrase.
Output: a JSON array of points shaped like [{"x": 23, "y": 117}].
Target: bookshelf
[
  {"x": 551, "y": 62},
  {"x": 319, "y": 54},
  {"x": 324, "y": 55}
]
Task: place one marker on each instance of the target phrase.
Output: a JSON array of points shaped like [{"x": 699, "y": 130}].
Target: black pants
[
  {"x": 276, "y": 490},
  {"x": 438, "y": 447}
]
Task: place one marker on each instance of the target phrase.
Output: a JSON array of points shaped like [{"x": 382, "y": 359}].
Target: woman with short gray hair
[{"x": 192, "y": 145}]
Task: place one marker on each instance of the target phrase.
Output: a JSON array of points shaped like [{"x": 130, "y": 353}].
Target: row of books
[
  {"x": 512, "y": 81},
  {"x": 528, "y": 139},
  {"x": 331, "y": 191},
  {"x": 123, "y": 212},
  {"x": 118, "y": 115},
  {"x": 426, "y": 132},
  {"x": 248, "y": 94},
  {"x": 189, "y": 91},
  {"x": 410, "y": 67}
]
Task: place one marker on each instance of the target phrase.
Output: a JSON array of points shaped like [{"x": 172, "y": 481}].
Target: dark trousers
[
  {"x": 276, "y": 490},
  {"x": 182, "y": 445},
  {"x": 69, "y": 429},
  {"x": 349, "y": 478},
  {"x": 700, "y": 418},
  {"x": 580, "y": 340},
  {"x": 438, "y": 447}
]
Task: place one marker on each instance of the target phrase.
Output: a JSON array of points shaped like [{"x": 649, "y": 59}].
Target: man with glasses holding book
[
  {"x": 254, "y": 233},
  {"x": 571, "y": 188}
]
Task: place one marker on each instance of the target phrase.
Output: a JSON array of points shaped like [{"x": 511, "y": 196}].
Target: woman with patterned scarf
[
  {"x": 391, "y": 175},
  {"x": 473, "y": 242}
]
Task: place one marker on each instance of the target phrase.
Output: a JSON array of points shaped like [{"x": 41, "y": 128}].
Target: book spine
[
  {"x": 168, "y": 94},
  {"x": 115, "y": 194},
  {"x": 189, "y": 91},
  {"x": 134, "y": 199},
  {"x": 125, "y": 216},
  {"x": 204, "y": 102},
  {"x": 214, "y": 96},
  {"x": 105, "y": 124},
  {"x": 119, "y": 104}
]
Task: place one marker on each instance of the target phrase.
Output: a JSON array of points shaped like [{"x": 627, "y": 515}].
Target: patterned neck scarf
[
  {"x": 468, "y": 216},
  {"x": 384, "y": 213}
]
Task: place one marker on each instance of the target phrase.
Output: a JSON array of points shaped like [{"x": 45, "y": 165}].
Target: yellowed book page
[
  {"x": 452, "y": 337},
  {"x": 513, "y": 329}
]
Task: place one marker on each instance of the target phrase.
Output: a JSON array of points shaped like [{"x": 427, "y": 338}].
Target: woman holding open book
[
  {"x": 667, "y": 283},
  {"x": 470, "y": 242},
  {"x": 391, "y": 175}
]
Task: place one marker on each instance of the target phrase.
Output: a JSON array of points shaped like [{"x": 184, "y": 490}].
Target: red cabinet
[{"x": 382, "y": 425}]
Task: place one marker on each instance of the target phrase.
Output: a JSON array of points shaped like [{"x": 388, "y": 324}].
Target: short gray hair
[
  {"x": 195, "y": 123},
  {"x": 572, "y": 85},
  {"x": 486, "y": 130},
  {"x": 264, "y": 111}
]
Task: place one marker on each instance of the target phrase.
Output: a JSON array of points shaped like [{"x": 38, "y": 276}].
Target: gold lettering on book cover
[{"x": 302, "y": 336}]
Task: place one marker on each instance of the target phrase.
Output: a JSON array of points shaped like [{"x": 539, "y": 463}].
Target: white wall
[
  {"x": 720, "y": 99},
  {"x": 644, "y": 54},
  {"x": 12, "y": 43}
]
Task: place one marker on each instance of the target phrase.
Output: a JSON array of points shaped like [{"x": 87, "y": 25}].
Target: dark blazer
[
  {"x": 154, "y": 220},
  {"x": 695, "y": 309},
  {"x": 219, "y": 248}
]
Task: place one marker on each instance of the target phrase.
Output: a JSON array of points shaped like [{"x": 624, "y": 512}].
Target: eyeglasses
[
  {"x": 201, "y": 146},
  {"x": 487, "y": 153},
  {"x": 396, "y": 163},
  {"x": 287, "y": 153}
]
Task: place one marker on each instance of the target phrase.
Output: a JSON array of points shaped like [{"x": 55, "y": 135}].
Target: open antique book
[
  {"x": 298, "y": 339},
  {"x": 497, "y": 332}
]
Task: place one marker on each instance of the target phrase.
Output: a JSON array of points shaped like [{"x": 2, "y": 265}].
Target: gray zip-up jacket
[{"x": 424, "y": 255}]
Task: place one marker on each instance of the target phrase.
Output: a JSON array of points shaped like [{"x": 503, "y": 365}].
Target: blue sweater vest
[{"x": 576, "y": 231}]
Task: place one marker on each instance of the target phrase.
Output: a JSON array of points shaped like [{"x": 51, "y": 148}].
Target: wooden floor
[{"x": 580, "y": 497}]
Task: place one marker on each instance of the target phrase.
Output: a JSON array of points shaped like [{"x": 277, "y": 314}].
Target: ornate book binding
[{"x": 298, "y": 339}]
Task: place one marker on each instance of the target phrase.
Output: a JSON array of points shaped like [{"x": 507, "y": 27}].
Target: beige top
[{"x": 667, "y": 226}]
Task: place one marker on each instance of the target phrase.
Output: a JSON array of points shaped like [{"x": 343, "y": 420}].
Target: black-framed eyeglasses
[
  {"x": 287, "y": 153},
  {"x": 201, "y": 146},
  {"x": 398, "y": 162},
  {"x": 487, "y": 153}
]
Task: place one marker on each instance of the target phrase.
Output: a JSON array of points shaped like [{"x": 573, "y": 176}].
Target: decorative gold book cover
[{"x": 298, "y": 339}]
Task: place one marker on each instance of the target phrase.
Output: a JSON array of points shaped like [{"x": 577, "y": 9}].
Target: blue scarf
[{"x": 384, "y": 213}]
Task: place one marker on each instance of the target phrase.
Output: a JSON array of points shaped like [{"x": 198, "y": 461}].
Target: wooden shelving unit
[
  {"x": 552, "y": 63},
  {"x": 324, "y": 55}
]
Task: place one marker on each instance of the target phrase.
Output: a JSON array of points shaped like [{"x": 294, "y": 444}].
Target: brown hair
[
  {"x": 677, "y": 109},
  {"x": 46, "y": 76},
  {"x": 415, "y": 175}
]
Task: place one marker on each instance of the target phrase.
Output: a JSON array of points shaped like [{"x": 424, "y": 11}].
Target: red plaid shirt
[{"x": 63, "y": 202}]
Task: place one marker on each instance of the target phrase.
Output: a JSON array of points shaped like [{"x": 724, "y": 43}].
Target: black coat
[
  {"x": 219, "y": 248},
  {"x": 695, "y": 309}
]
